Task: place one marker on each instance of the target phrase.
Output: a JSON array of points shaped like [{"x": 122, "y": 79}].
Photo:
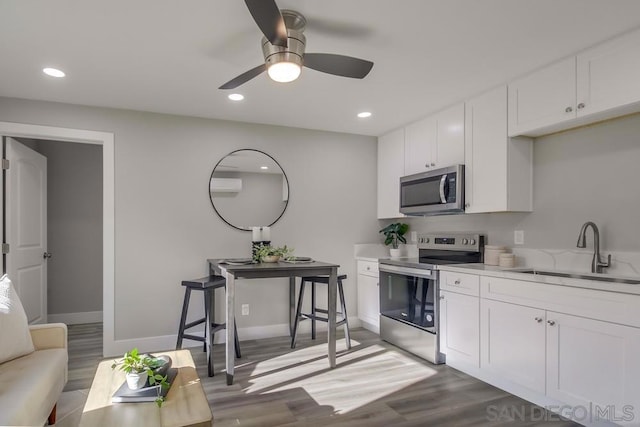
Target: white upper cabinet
[
  {"x": 597, "y": 84},
  {"x": 498, "y": 169},
  {"x": 450, "y": 137},
  {"x": 608, "y": 75},
  {"x": 435, "y": 142},
  {"x": 420, "y": 146},
  {"x": 544, "y": 98},
  {"x": 390, "y": 169}
]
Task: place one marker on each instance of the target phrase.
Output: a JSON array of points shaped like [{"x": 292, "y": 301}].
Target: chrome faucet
[{"x": 597, "y": 266}]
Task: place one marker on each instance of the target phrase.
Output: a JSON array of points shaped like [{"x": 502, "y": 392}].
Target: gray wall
[
  {"x": 590, "y": 173},
  {"x": 166, "y": 228},
  {"x": 74, "y": 225}
]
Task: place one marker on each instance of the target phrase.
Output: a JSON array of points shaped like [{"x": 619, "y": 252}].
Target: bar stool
[
  {"x": 315, "y": 310},
  {"x": 208, "y": 285}
]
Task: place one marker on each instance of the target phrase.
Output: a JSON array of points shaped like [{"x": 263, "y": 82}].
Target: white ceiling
[{"x": 170, "y": 56}]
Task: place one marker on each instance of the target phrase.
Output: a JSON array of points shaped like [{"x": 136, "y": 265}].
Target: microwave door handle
[{"x": 443, "y": 182}]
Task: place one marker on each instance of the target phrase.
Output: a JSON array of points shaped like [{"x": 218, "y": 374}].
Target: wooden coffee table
[{"x": 185, "y": 404}]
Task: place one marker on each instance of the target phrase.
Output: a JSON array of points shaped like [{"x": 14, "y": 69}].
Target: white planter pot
[
  {"x": 136, "y": 381},
  {"x": 395, "y": 253}
]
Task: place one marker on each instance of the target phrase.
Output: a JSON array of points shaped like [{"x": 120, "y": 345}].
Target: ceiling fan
[{"x": 283, "y": 48}]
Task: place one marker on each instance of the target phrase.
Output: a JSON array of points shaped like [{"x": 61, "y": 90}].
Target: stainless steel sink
[{"x": 578, "y": 276}]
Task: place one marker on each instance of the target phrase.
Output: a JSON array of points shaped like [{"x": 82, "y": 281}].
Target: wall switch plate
[
  {"x": 245, "y": 309},
  {"x": 518, "y": 237},
  {"x": 414, "y": 236}
]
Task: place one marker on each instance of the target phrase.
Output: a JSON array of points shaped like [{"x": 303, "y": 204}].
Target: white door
[
  {"x": 390, "y": 169},
  {"x": 450, "y": 136},
  {"x": 543, "y": 98},
  {"x": 594, "y": 364},
  {"x": 369, "y": 300},
  {"x": 460, "y": 328},
  {"x": 513, "y": 343},
  {"x": 26, "y": 227},
  {"x": 420, "y": 146}
]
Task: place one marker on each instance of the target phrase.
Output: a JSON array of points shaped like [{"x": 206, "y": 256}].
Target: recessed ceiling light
[
  {"x": 364, "y": 114},
  {"x": 264, "y": 167},
  {"x": 53, "y": 72},
  {"x": 236, "y": 97}
]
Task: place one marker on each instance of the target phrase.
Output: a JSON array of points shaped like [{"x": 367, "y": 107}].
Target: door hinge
[
  {"x": 5, "y": 248},
  {"x": 5, "y": 164}
]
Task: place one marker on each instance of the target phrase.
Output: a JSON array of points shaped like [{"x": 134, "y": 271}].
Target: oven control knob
[
  {"x": 465, "y": 241},
  {"x": 472, "y": 241}
]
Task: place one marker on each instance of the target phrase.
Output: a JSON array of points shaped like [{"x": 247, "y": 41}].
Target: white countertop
[{"x": 513, "y": 273}]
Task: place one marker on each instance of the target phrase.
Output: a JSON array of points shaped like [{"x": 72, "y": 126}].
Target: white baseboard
[
  {"x": 168, "y": 342},
  {"x": 75, "y": 318}
]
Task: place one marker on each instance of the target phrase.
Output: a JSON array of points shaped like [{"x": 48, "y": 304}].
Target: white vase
[
  {"x": 136, "y": 380},
  {"x": 395, "y": 253}
]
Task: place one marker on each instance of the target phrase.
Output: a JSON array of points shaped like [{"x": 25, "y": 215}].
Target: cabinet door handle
[
  {"x": 441, "y": 296},
  {"x": 368, "y": 268},
  {"x": 426, "y": 165},
  {"x": 457, "y": 282},
  {"x": 538, "y": 319},
  {"x": 568, "y": 110},
  {"x": 551, "y": 322},
  {"x": 433, "y": 164},
  {"x": 581, "y": 106}
]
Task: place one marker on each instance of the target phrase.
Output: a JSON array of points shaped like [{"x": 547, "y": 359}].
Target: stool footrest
[
  {"x": 194, "y": 337},
  {"x": 195, "y": 323}
]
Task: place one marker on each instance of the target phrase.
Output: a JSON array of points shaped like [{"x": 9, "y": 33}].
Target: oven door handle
[
  {"x": 443, "y": 182},
  {"x": 407, "y": 271}
]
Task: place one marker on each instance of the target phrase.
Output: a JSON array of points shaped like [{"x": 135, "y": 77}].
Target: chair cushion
[
  {"x": 30, "y": 387},
  {"x": 14, "y": 328}
]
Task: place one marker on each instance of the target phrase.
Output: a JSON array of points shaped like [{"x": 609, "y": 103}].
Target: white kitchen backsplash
[{"x": 622, "y": 263}]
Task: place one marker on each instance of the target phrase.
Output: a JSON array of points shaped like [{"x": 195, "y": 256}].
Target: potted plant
[
  {"x": 268, "y": 253},
  {"x": 142, "y": 368},
  {"x": 394, "y": 235}
]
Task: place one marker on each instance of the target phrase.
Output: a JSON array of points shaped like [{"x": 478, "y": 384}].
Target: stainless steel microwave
[{"x": 436, "y": 192}]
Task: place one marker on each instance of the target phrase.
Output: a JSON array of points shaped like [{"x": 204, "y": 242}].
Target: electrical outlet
[
  {"x": 414, "y": 236},
  {"x": 518, "y": 237},
  {"x": 245, "y": 309}
]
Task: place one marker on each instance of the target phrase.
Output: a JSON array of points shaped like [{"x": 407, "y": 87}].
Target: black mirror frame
[{"x": 283, "y": 174}]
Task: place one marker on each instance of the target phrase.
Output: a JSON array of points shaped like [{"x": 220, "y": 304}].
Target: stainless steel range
[{"x": 408, "y": 290}]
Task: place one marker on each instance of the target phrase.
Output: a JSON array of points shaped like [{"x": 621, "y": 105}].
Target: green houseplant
[
  {"x": 394, "y": 235},
  {"x": 140, "y": 368},
  {"x": 268, "y": 253}
]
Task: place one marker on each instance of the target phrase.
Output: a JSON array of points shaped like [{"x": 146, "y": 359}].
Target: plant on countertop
[
  {"x": 264, "y": 251},
  {"x": 134, "y": 363},
  {"x": 394, "y": 233}
]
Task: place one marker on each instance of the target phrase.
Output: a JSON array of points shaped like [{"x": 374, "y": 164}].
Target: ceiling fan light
[{"x": 284, "y": 72}]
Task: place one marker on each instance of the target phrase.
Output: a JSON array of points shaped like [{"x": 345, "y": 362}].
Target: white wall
[
  {"x": 586, "y": 174},
  {"x": 165, "y": 225}
]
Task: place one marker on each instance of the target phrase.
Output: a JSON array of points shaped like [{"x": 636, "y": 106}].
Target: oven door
[{"x": 407, "y": 296}]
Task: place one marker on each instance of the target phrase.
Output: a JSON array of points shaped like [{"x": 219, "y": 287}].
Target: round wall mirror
[{"x": 248, "y": 188}]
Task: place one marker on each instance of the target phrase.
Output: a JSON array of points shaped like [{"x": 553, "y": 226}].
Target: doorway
[
  {"x": 106, "y": 140},
  {"x": 73, "y": 218}
]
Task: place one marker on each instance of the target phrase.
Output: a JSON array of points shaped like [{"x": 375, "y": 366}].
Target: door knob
[
  {"x": 551, "y": 322},
  {"x": 538, "y": 319},
  {"x": 47, "y": 255},
  {"x": 568, "y": 110},
  {"x": 581, "y": 106}
]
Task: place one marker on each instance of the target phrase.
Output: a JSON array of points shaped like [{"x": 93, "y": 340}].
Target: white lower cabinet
[
  {"x": 368, "y": 295},
  {"x": 543, "y": 342},
  {"x": 512, "y": 343},
  {"x": 460, "y": 327},
  {"x": 594, "y": 364}
]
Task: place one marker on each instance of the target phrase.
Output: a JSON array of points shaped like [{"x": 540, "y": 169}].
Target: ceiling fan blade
[
  {"x": 244, "y": 77},
  {"x": 340, "y": 65},
  {"x": 269, "y": 20}
]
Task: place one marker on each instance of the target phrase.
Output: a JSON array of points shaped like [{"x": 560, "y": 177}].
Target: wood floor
[{"x": 375, "y": 384}]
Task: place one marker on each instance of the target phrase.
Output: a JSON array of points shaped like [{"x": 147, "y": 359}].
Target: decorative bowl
[{"x": 271, "y": 258}]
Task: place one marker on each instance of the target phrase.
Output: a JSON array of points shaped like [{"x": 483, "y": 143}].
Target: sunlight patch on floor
[{"x": 354, "y": 383}]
